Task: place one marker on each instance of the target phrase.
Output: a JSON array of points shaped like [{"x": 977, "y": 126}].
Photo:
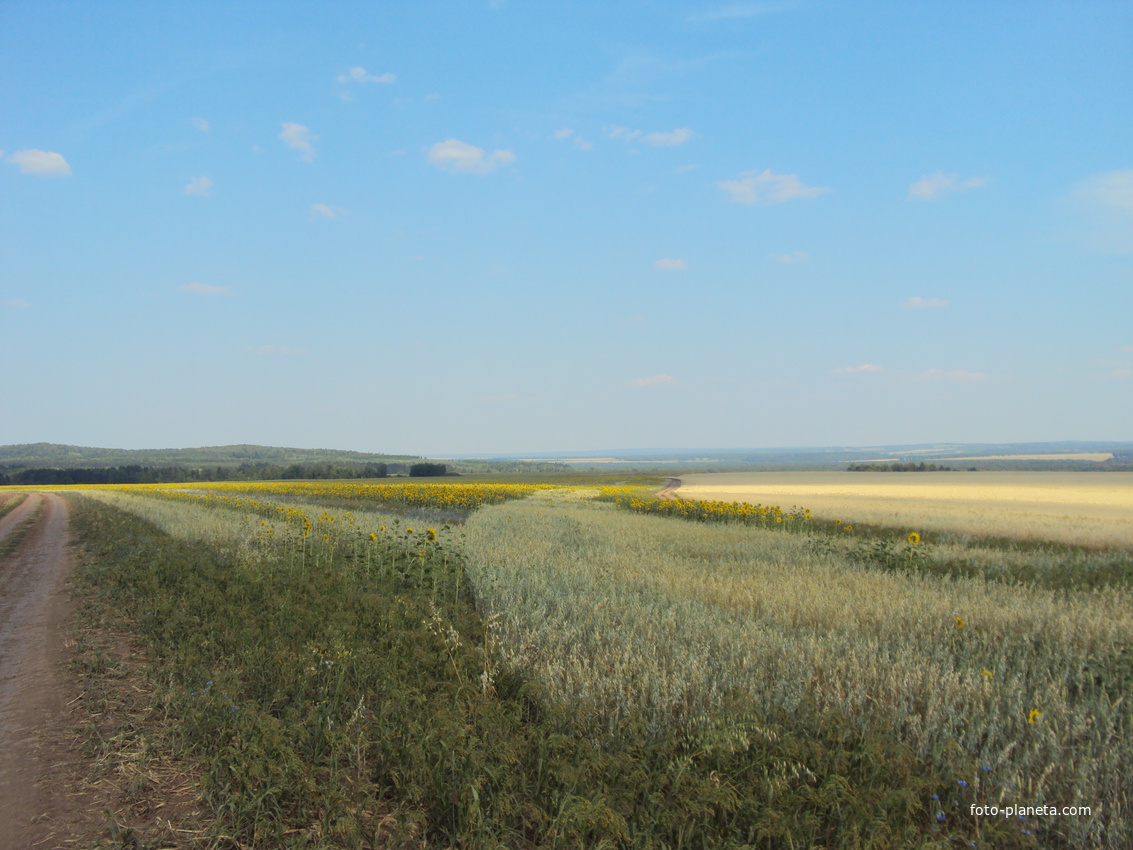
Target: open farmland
[
  {"x": 1076, "y": 508},
  {"x": 347, "y": 665}
]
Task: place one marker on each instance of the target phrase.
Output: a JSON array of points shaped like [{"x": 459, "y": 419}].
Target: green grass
[{"x": 333, "y": 700}]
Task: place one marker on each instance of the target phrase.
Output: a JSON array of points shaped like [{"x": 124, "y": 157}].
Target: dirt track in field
[{"x": 39, "y": 764}]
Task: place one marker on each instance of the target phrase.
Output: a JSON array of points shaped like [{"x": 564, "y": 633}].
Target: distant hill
[
  {"x": 68, "y": 457},
  {"x": 52, "y": 463}
]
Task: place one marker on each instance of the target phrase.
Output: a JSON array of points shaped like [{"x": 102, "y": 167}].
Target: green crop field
[{"x": 513, "y": 665}]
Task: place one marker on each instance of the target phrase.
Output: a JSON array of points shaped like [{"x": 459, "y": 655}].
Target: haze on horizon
[{"x": 503, "y": 227}]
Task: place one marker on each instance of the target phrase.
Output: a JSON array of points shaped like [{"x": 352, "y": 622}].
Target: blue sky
[{"x": 448, "y": 227}]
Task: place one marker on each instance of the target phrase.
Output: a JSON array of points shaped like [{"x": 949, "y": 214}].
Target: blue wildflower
[
  {"x": 961, "y": 783},
  {"x": 940, "y": 816}
]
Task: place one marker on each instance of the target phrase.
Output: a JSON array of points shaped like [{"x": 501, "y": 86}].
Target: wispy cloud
[
  {"x": 579, "y": 142},
  {"x": 201, "y": 124},
  {"x": 459, "y": 157},
  {"x": 18, "y": 303},
  {"x": 616, "y": 132},
  {"x": 204, "y": 289},
  {"x": 767, "y": 187},
  {"x": 1106, "y": 203},
  {"x": 652, "y": 381},
  {"x": 358, "y": 74},
  {"x": 43, "y": 163},
  {"x": 918, "y": 303},
  {"x": 960, "y": 375},
  {"x": 200, "y": 186},
  {"x": 856, "y": 370},
  {"x": 932, "y": 186},
  {"x": 658, "y": 139},
  {"x": 675, "y": 137},
  {"x": 683, "y": 168},
  {"x": 1113, "y": 190},
  {"x": 326, "y": 211},
  {"x": 299, "y": 138},
  {"x": 1122, "y": 372},
  {"x": 788, "y": 259},
  {"x": 738, "y": 11},
  {"x": 670, "y": 265},
  {"x": 275, "y": 349}
]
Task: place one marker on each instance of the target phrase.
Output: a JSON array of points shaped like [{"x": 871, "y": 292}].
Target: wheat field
[{"x": 1076, "y": 508}]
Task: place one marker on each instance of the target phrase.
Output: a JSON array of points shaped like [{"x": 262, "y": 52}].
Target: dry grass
[{"x": 1076, "y": 508}]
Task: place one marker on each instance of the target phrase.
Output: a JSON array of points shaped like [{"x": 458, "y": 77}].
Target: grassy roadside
[
  {"x": 10, "y": 503},
  {"x": 15, "y": 537},
  {"x": 322, "y": 706}
]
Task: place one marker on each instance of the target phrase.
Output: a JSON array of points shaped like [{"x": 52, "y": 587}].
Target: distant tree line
[
  {"x": 426, "y": 470},
  {"x": 898, "y": 467},
  {"x": 139, "y": 474}
]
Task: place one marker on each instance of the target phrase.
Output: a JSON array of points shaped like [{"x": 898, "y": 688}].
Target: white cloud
[
  {"x": 358, "y": 74},
  {"x": 652, "y": 381},
  {"x": 676, "y": 137},
  {"x": 201, "y": 186},
  {"x": 918, "y": 303},
  {"x": 564, "y": 133},
  {"x": 46, "y": 163},
  {"x": 683, "y": 168},
  {"x": 796, "y": 257},
  {"x": 952, "y": 375},
  {"x": 854, "y": 370},
  {"x": 326, "y": 211},
  {"x": 275, "y": 349},
  {"x": 1122, "y": 372},
  {"x": 616, "y": 132},
  {"x": 204, "y": 289},
  {"x": 459, "y": 157},
  {"x": 201, "y": 124},
  {"x": 18, "y": 303},
  {"x": 298, "y": 137},
  {"x": 669, "y": 265},
  {"x": 767, "y": 187},
  {"x": 932, "y": 186},
  {"x": 1113, "y": 189}
]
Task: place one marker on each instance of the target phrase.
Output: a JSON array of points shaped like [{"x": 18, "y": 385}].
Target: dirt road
[{"x": 37, "y": 758}]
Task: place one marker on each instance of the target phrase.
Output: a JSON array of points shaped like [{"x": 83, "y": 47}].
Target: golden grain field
[{"x": 1079, "y": 508}]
